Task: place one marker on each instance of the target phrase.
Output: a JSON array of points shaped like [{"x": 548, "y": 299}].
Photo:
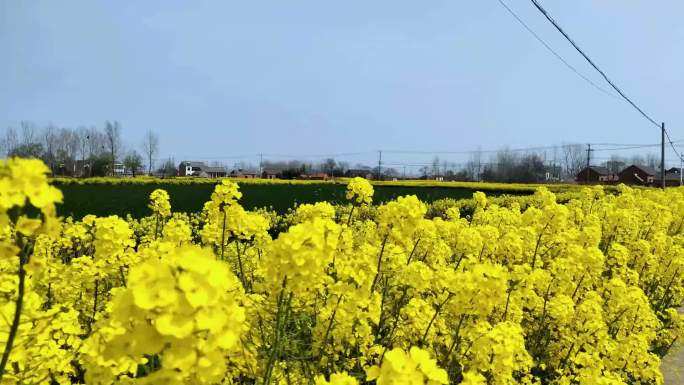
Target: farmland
[{"x": 129, "y": 196}]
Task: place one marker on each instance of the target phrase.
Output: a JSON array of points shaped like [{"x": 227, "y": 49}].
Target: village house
[
  {"x": 638, "y": 175},
  {"x": 596, "y": 174},
  {"x": 315, "y": 176},
  {"x": 200, "y": 169},
  {"x": 632, "y": 175},
  {"x": 271, "y": 174},
  {"x": 672, "y": 177},
  {"x": 359, "y": 172},
  {"x": 242, "y": 173}
]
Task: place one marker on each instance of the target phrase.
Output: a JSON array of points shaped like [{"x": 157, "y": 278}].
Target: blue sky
[{"x": 226, "y": 78}]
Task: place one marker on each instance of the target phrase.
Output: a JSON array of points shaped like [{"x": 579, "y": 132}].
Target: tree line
[
  {"x": 82, "y": 151},
  {"x": 100, "y": 151}
]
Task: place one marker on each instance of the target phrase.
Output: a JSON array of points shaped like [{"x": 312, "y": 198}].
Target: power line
[
  {"x": 628, "y": 148},
  {"x": 320, "y": 155},
  {"x": 558, "y": 56},
  {"x": 672, "y": 145},
  {"x": 631, "y": 144},
  {"x": 541, "y": 148},
  {"x": 263, "y": 156},
  {"x": 531, "y": 149},
  {"x": 219, "y": 157},
  {"x": 552, "y": 21}
]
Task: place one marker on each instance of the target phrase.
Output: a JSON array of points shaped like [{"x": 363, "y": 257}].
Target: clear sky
[{"x": 226, "y": 78}]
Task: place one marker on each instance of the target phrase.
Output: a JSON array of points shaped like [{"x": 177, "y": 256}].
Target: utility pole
[
  {"x": 588, "y": 160},
  {"x": 379, "y": 165},
  {"x": 662, "y": 155},
  {"x": 261, "y": 163},
  {"x": 479, "y": 170},
  {"x": 681, "y": 168}
]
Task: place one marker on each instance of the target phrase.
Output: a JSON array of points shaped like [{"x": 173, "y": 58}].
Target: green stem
[
  {"x": 456, "y": 341},
  {"x": 156, "y": 227},
  {"x": 14, "y": 328},
  {"x": 95, "y": 294},
  {"x": 350, "y": 215},
  {"x": 377, "y": 274},
  {"x": 536, "y": 247},
  {"x": 223, "y": 234},
  {"x": 415, "y": 245},
  {"x": 242, "y": 271},
  {"x": 276, "y": 339},
  {"x": 434, "y": 317},
  {"x": 508, "y": 301},
  {"x": 327, "y": 331},
  {"x": 574, "y": 293}
]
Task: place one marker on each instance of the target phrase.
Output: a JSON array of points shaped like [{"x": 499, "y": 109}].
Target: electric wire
[
  {"x": 567, "y": 37},
  {"x": 557, "y": 55}
]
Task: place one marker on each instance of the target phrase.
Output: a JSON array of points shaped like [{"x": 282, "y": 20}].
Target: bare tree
[
  {"x": 573, "y": 158},
  {"x": 49, "y": 140},
  {"x": 96, "y": 142},
  {"x": 10, "y": 141},
  {"x": 113, "y": 137},
  {"x": 555, "y": 172},
  {"x": 168, "y": 168},
  {"x": 82, "y": 135},
  {"x": 474, "y": 166},
  {"x": 615, "y": 164},
  {"x": 28, "y": 133},
  {"x": 434, "y": 169},
  {"x": 150, "y": 146},
  {"x": 506, "y": 161},
  {"x": 652, "y": 161},
  {"x": 328, "y": 166},
  {"x": 638, "y": 160}
]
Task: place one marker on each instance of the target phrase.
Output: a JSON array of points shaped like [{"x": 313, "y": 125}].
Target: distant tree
[
  {"x": 150, "y": 146},
  {"x": 341, "y": 168},
  {"x": 474, "y": 166},
  {"x": 168, "y": 168},
  {"x": 328, "y": 166},
  {"x": 505, "y": 165},
  {"x": 424, "y": 171},
  {"x": 30, "y": 150},
  {"x": 65, "y": 145},
  {"x": 615, "y": 164},
  {"x": 530, "y": 169},
  {"x": 10, "y": 141},
  {"x": 653, "y": 161},
  {"x": 390, "y": 172},
  {"x": 488, "y": 174},
  {"x": 99, "y": 164},
  {"x": 113, "y": 137},
  {"x": 638, "y": 160},
  {"x": 49, "y": 139},
  {"x": 460, "y": 175},
  {"x": 133, "y": 161},
  {"x": 95, "y": 142},
  {"x": 574, "y": 158},
  {"x": 434, "y": 169},
  {"x": 28, "y": 132}
]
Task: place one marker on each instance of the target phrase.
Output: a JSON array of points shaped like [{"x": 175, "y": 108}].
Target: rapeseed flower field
[{"x": 535, "y": 291}]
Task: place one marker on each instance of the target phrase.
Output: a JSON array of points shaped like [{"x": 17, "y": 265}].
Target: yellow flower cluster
[
  {"x": 360, "y": 191},
  {"x": 576, "y": 289},
  {"x": 413, "y": 368},
  {"x": 306, "y": 212},
  {"x": 177, "y": 320},
  {"x": 159, "y": 203}
]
